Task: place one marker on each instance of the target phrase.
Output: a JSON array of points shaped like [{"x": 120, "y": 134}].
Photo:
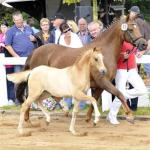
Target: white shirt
[
  {"x": 75, "y": 41},
  {"x": 57, "y": 35}
]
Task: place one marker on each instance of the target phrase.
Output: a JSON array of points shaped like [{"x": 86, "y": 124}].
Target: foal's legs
[
  {"x": 34, "y": 94},
  {"x": 96, "y": 94},
  {"x": 45, "y": 111},
  {"x": 73, "y": 119},
  {"x": 81, "y": 96},
  {"x": 24, "y": 108}
]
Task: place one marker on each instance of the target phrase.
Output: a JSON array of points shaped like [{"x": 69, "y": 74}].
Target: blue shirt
[{"x": 19, "y": 40}]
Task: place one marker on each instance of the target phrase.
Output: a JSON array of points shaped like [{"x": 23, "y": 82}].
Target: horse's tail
[
  {"x": 19, "y": 76},
  {"x": 21, "y": 87}
]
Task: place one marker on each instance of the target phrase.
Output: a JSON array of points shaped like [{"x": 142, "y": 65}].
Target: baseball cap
[
  {"x": 135, "y": 9},
  {"x": 58, "y": 16}
]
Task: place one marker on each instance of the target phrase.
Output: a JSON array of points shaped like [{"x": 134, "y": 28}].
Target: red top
[{"x": 131, "y": 61}]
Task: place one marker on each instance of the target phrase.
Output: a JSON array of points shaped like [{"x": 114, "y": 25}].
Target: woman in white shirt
[{"x": 68, "y": 38}]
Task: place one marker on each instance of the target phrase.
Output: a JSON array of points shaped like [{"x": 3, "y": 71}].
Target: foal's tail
[
  {"x": 19, "y": 76},
  {"x": 22, "y": 86}
]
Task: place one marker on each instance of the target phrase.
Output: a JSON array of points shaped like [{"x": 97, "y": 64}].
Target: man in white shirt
[{"x": 57, "y": 21}]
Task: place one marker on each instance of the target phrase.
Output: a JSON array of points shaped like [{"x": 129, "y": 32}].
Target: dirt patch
[{"x": 57, "y": 137}]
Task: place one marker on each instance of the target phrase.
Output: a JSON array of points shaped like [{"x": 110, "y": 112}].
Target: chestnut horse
[
  {"x": 60, "y": 83},
  {"x": 110, "y": 41}
]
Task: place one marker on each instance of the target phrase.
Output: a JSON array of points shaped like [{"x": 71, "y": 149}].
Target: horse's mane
[
  {"x": 107, "y": 29},
  {"x": 81, "y": 55}
]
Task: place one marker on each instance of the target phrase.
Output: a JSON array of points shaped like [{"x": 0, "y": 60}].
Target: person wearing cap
[
  {"x": 126, "y": 73},
  {"x": 57, "y": 21},
  {"x": 135, "y": 14}
]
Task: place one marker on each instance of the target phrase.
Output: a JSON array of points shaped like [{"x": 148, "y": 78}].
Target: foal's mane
[{"x": 84, "y": 52}]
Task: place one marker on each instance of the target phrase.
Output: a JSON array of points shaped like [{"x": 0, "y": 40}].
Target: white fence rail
[{"x": 21, "y": 61}]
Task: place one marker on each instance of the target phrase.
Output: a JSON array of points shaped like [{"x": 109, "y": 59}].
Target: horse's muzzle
[
  {"x": 141, "y": 44},
  {"x": 103, "y": 72}
]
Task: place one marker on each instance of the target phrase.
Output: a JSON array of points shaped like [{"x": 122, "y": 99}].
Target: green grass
[
  {"x": 13, "y": 107},
  {"x": 140, "y": 111}
]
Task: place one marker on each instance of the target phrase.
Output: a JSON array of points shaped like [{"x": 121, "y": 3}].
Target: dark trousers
[
  {"x": 10, "y": 85},
  {"x": 132, "y": 103}
]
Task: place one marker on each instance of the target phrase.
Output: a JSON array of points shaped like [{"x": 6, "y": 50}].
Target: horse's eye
[
  {"x": 96, "y": 59},
  {"x": 131, "y": 30}
]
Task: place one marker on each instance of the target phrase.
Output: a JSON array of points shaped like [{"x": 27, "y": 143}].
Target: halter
[
  {"x": 124, "y": 28},
  {"x": 133, "y": 40}
]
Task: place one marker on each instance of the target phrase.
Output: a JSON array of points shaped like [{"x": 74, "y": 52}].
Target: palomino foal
[{"x": 73, "y": 81}]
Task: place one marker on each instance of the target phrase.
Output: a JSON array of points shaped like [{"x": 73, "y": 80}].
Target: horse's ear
[
  {"x": 94, "y": 49},
  {"x": 127, "y": 18},
  {"x": 123, "y": 19}
]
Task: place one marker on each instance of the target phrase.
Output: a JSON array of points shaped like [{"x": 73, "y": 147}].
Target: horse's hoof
[
  {"x": 94, "y": 124},
  {"x": 24, "y": 134},
  {"x": 66, "y": 114},
  {"x": 87, "y": 120},
  {"x": 80, "y": 134},
  {"x": 130, "y": 120}
]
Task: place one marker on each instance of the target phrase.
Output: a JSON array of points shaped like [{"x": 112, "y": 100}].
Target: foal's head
[
  {"x": 96, "y": 61},
  {"x": 132, "y": 33}
]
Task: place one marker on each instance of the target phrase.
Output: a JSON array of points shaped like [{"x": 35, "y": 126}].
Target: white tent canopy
[{"x": 6, "y": 2}]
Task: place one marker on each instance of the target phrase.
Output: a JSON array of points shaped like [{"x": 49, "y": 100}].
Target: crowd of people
[{"x": 22, "y": 38}]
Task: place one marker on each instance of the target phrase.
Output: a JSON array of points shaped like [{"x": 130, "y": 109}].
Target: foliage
[
  {"x": 6, "y": 15},
  {"x": 70, "y": 1}
]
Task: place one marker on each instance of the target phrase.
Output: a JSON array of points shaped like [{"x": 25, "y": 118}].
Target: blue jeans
[
  {"x": 147, "y": 68},
  {"x": 68, "y": 100},
  {"x": 10, "y": 85}
]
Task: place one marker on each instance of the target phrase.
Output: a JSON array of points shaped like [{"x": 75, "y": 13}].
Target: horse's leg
[
  {"x": 26, "y": 118},
  {"x": 73, "y": 119},
  {"x": 108, "y": 86},
  {"x": 44, "y": 125},
  {"x": 24, "y": 108},
  {"x": 81, "y": 96},
  {"x": 96, "y": 94}
]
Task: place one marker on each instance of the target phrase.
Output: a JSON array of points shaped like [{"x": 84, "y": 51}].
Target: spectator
[
  {"x": 126, "y": 72},
  {"x": 9, "y": 68},
  {"x": 83, "y": 31},
  {"x": 68, "y": 38},
  {"x": 44, "y": 36},
  {"x": 31, "y": 23},
  {"x": 19, "y": 39},
  {"x": 95, "y": 28},
  {"x": 57, "y": 21}
]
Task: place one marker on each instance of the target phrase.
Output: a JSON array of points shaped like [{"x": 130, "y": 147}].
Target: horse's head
[
  {"x": 132, "y": 33},
  {"x": 97, "y": 61}
]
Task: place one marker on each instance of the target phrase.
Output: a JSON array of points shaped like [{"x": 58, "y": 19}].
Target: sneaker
[
  {"x": 113, "y": 120},
  {"x": 11, "y": 102}
]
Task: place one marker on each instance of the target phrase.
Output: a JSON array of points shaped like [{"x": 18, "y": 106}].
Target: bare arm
[{"x": 11, "y": 51}]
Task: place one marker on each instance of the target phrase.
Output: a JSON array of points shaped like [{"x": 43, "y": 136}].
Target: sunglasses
[{"x": 67, "y": 30}]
